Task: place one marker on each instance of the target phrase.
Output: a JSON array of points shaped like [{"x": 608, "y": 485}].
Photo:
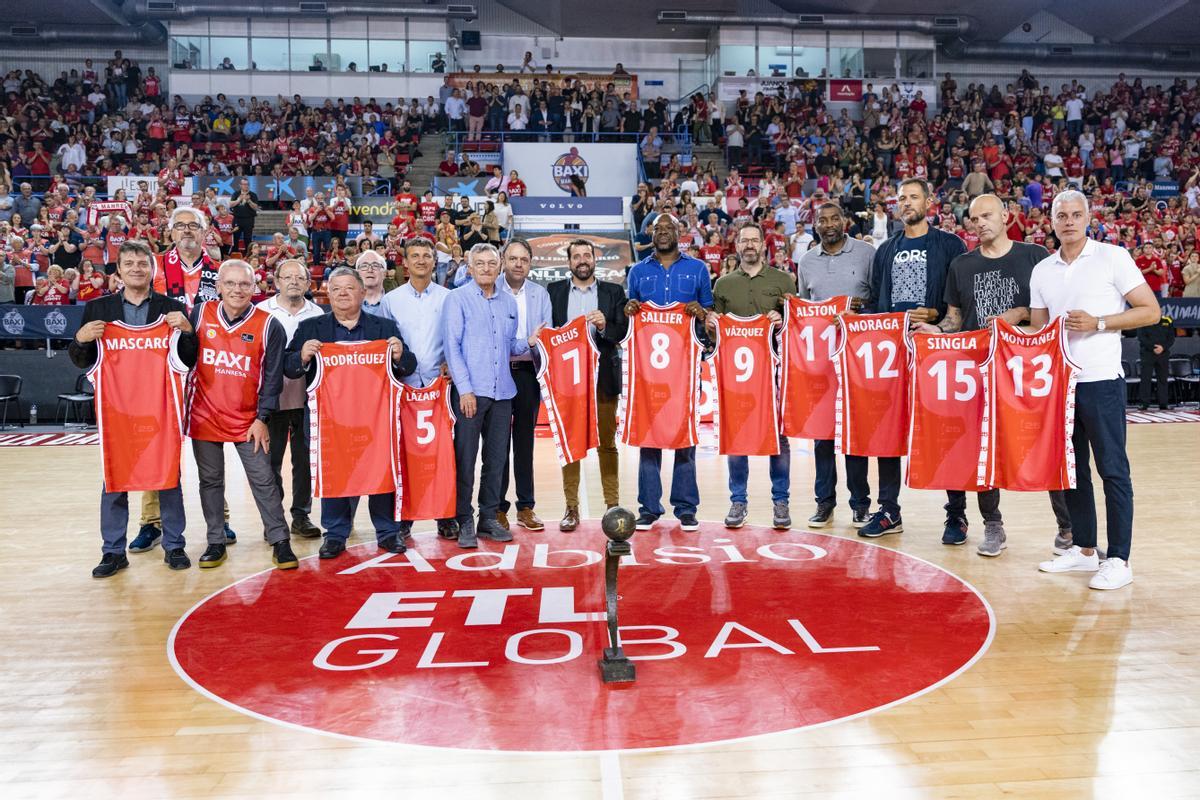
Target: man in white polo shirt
[
  {"x": 288, "y": 423},
  {"x": 1091, "y": 283}
]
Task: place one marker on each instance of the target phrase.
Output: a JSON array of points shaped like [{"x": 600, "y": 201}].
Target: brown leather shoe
[
  {"x": 529, "y": 520},
  {"x": 502, "y": 518},
  {"x": 570, "y": 520}
]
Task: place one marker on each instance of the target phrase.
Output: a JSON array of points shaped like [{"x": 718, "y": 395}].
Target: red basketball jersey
[
  {"x": 568, "y": 360},
  {"x": 427, "y": 451},
  {"x": 808, "y": 380},
  {"x": 354, "y": 431},
  {"x": 747, "y": 414},
  {"x": 140, "y": 385},
  {"x": 1031, "y": 410},
  {"x": 871, "y": 416},
  {"x": 223, "y": 389},
  {"x": 949, "y": 407},
  {"x": 660, "y": 379}
]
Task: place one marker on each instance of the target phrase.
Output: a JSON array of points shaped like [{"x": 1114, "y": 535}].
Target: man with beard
[
  {"x": 991, "y": 281},
  {"x": 751, "y": 289},
  {"x": 909, "y": 274},
  {"x": 603, "y": 303},
  {"x": 838, "y": 266},
  {"x": 667, "y": 276}
]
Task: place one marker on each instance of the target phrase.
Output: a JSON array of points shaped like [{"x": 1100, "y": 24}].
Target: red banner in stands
[{"x": 845, "y": 91}]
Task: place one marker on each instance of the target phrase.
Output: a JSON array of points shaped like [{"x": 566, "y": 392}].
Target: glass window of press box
[{"x": 281, "y": 54}]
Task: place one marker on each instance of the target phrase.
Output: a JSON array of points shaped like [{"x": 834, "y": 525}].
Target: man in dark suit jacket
[
  {"x": 603, "y": 303},
  {"x": 135, "y": 304},
  {"x": 347, "y": 322}
]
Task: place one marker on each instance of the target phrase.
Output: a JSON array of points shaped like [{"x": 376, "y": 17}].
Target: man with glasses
[
  {"x": 372, "y": 266},
  {"x": 287, "y": 423},
  {"x": 479, "y": 330},
  {"x": 234, "y": 389}
]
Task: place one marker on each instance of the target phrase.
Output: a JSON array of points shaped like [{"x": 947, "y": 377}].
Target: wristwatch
[{"x": 1100, "y": 324}]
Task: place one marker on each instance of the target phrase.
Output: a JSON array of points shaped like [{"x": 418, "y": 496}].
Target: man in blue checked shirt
[
  {"x": 663, "y": 277},
  {"x": 479, "y": 332}
]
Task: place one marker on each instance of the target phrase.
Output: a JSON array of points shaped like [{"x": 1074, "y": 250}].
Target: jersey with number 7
[
  {"x": 660, "y": 379},
  {"x": 427, "y": 451},
  {"x": 1031, "y": 410},
  {"x": 567, "y": 363},
  {"x": 872, "y": 398}
]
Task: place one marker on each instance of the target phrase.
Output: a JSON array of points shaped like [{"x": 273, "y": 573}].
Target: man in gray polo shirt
[{"x": 839, "y": 265}]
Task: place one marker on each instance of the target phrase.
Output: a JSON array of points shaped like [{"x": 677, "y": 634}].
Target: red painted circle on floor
[{"x": 754, "y": 631}]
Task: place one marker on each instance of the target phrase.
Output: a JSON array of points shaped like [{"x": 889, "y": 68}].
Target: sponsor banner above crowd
[
  {"x": 591, "y": 80},
  {"x": 268, "y": 188},
  {"x": 531, "y": 212},
  {"x": 613, "y": 256},
  {"x": 130, "y": 184},
  {"x": 845, "y": 90},
  {"x": 40, "y": 322},
  {"x": 580, "y": 169},
  {"x": 1183, "y": 311},
  {"x": 729, "y": 88}
]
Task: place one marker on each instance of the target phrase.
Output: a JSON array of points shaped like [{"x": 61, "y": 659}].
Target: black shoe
[
  {"x": 109, "y": 565},
  {"x": 492, "y": 529},
  {"x": 392, "y": 544},
  {"x": 646, "y": 521},
  {"x": 1164, "y": 408},
  {"x": 148, "y": 536},
  {"x": 688, "y": 522},
  {"x": 214, "y": 556},
  {"x": 282, "y": 555},
  {"x": 1143, "y": 406},
  {"x": 304, "y": 528},
  {"x": 882, "y": 522},
  {"x": 822, "y": 518},
  {"x": 405, "y": 529},
  {"x": 448, "y": 528},
  {"x": 332, "y": 548},
  {"x": 956, "y": 531},
  {"x": 861, "y": 517},
  {"x": 467, "y": 539},
  {"x": 177, "y": 559}
]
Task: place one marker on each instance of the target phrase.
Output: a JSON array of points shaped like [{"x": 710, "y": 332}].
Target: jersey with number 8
[
  {"x": 872, "y": 397},
  {"x": 949, "y": 405},
  {"x": 567, "y": 365},
  {"x": 1031, "y": 410},
  {"x": 660, "y": 379},
  {"x": 427, "y": 451}
]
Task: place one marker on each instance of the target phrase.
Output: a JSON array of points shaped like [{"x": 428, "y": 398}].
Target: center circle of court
[{"x": 733, "y": 634}]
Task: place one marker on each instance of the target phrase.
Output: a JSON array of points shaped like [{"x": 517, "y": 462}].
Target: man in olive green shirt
[{"x": 755, "y": 288}]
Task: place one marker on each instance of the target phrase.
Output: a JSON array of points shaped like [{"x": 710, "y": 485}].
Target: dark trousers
[
  {"x": 243, "y": 235},
  {"x": 989, "y": 505},
  {"x": 525, "y": 407},
  {"x": 210, "y": 468},
  {"x": 491, "y": 424},
  {"x": 321, "y": 242},
  {"x": 337, "y": 515},
  {"x": 1062, "y": 514},
  {"x": 290, "y": 427},
  {"x": 114, "y": 519},
  {"x": 1154, "y": 366},
  {"x": 1100, "y": 429},
  {"x": 826, "y": 483}
]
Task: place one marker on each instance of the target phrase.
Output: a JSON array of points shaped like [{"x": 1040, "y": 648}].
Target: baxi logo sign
[
  {"x": 569, "y": 165},
  {"x": 497, "y": 649}
]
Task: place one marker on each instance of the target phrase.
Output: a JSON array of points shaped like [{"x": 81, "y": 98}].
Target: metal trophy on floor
[{"x": 618, "y": 526}]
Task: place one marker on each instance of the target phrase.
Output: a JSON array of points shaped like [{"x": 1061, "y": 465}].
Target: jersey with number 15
[{"x": 660, "y": 379}]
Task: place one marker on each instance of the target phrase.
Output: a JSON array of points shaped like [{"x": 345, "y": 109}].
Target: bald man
[{"x": 990, "y": 281}]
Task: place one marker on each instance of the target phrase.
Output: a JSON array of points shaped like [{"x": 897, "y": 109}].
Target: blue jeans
[
  {"x": 337, "y": 515},
  {"x": 1100, "y": 428},
  {"x": 779, "y": 467},
  {"x": 114, "y": 519},
  {"x": 685, "y": 496},
  {"x": 826, "y": 483}
]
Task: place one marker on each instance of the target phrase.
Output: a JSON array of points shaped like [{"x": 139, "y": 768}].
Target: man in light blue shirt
[
  {"x": 667, "y": 276},
  {"x": 479, "y": 330},
  {"x": 533, "y": 312},
  {"x": 416, "y": 308}
]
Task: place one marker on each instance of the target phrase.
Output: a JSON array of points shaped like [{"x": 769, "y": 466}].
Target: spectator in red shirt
[
  {"x": 449, "y": 167},
  {"x": 516, "y": 186}
]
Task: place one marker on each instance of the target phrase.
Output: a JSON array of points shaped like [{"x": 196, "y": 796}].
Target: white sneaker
[
  {"x": 1114, "y": 573},
  {"x": 1072, "y": 561}
]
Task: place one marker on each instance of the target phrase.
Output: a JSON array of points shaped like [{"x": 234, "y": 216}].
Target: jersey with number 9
[
  {"x": 746, "y": 417},
  {"x": 660, "y": 379}
]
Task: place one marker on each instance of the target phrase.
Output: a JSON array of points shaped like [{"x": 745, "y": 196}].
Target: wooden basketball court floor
[{"x": 1081, "y": 694}]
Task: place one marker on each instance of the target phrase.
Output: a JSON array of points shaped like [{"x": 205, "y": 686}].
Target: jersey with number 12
[
  {"x": 567, "y": 365},
  {"x": 872, "y": 398},
  {"x": 660, "y": 379}
]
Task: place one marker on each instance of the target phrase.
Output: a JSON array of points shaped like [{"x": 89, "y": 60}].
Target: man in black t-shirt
[
  {"x": 991, "y": 281},
  {"x": 244, "y": 208}
]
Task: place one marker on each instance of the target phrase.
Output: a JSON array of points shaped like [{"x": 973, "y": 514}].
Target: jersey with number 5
[
  {"x": 808, "y": 380},
  {"x": 950, "y": 374},
  {"x": 660, "y": 379},
  {"x": 746, "y": 417},
  {"x": 567, "y": 363},
  {"x": 427, "y": 451},
  {"x": 871, "y": 411},
  {"x": 1031, "y": 410}
]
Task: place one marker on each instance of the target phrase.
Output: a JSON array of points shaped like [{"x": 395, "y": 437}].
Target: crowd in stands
[{"x": 786, "y": 154}]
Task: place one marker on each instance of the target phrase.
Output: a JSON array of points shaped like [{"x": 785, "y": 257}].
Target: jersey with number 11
[
  {"x": 808, "y": 380},
  {"x": 660, "y": 379}
]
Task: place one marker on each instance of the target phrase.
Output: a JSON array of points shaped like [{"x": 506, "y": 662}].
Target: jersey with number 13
[{"x": 660, "y": 379}]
